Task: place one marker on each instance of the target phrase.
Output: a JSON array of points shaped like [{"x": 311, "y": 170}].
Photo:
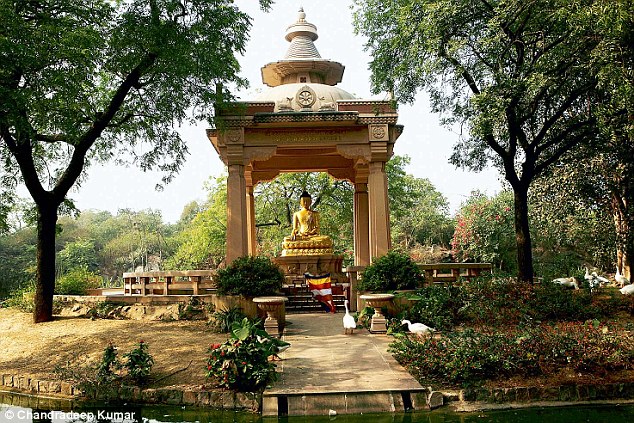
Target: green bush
[
  {"x": 223, "y": 320},
  {"x": 391, "y": 272},
  {"x": 22, "y": 298},
  {"x": 77, "y": 282},
  {"x": 139, "y": 363},
  {"x": 469, "y": 357},
  {"x": 242, "y": 363},
  {"x": 250, "y": 276},
  {"x": 436, "y": 306}
]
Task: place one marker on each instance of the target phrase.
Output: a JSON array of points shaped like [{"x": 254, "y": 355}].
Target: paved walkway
[{"x": 351, "y": 369}]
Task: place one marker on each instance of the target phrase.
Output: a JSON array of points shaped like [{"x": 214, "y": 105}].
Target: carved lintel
[
  {"x": 355, "y": 151},
  {"x": 263, "y": 176},
  {"x": 347, "y": 174},
  {"x": 259, "y": 153}
]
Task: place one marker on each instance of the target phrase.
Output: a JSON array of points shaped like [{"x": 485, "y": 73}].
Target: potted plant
[
  {"x": 391, "y": 272},
  {"x": 248, "y": 277}
]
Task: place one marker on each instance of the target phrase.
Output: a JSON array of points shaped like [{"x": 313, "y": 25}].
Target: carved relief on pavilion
[
  {"x": 356, "y": 152},
  {"x": 259, "y": 153},
  {"x": 378, "y": 133},
  {"x": 304, "y": 136}
]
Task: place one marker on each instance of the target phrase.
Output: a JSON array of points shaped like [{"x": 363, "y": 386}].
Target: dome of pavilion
[{"x": 303, "y": 81}]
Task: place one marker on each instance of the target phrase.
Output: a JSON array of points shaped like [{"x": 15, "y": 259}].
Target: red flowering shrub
[{"x": 485, "y": 231}]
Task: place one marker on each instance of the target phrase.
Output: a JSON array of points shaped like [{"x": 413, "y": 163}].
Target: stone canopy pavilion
[{"x": 305, "y": 123}]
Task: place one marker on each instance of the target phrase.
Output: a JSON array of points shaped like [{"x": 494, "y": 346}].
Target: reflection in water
[{"x": 26, "y": 409}]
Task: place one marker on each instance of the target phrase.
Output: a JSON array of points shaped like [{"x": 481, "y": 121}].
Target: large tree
[
  {"x": 83, "y": 80},
  {"x": 514, "y": 74}
]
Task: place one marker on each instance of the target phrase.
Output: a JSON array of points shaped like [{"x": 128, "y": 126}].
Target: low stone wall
[
  {"x": 180, "y": 396},
  {"x": 462, "y": 400}
]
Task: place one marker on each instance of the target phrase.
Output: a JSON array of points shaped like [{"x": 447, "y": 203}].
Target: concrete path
[{"x": 326, "y": 370}]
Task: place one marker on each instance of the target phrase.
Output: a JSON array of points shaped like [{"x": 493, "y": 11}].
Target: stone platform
[{"x": 327, "y": 370}]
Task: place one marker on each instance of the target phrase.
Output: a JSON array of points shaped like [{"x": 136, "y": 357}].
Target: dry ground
[{"x": 27, "y": 348}]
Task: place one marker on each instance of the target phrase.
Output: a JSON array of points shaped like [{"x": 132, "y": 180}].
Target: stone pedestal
[
  {"x": 377, "y": 301},
  {"x": 294, "y": 267},
  {"x": 273, "y": 306}
]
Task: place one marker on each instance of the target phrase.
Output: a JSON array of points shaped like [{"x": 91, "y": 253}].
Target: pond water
[{"x": 24, "y": 409}]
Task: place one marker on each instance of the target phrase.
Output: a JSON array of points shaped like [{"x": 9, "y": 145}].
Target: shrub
[
  {"x": 436, "y": 306},
  {"x": 77, "y": 282},
  {"x": 139, "y": 362},
  {"x": 470, "y": 356},
  {"x": 242, "y": 363},
  {"x": 485, "y": 231},
  {"x": 22, "y": 299},
  {"x": 554, "y": 302},
  {"x": 108, "y": 365},
  {"x": 223, "y": 320},
  {"x": 391, "y": 272},
  {"x": 250, "y": 276}
]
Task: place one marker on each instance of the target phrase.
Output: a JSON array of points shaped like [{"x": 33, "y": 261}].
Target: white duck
[
  {"x": 418, "y": 328},
  {"x": 627, "y": 290},
  {"x": 570, "y": 282},
  {"x": 348, "y": 320},
  {"x": 620, "y": 279}
]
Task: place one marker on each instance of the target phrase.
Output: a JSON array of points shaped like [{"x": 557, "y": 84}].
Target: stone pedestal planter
[
  {"x": 275, "y": 315},
  {"x": 377, "y": 301}
]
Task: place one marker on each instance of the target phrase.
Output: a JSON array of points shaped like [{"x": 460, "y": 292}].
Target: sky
[{"x": 110, "y": 187}]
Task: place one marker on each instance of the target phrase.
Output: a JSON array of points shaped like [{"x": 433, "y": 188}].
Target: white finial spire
[{"x": 301, "y": 34}]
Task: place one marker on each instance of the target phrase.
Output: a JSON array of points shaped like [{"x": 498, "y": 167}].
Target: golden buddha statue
[{"x": 305, "y": 238}]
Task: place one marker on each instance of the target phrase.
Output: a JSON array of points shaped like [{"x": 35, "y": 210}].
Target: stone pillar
[
  {"x": 361, "y": 225},
  {"x": 379, "y": 210},
  {"x": 237, "y": 241},
  {"x": 252, "y": 243}
]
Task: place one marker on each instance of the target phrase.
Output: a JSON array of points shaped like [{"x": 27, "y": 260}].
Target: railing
[
  {"x": 192, "y": 282},
  {"x": 451, "y": 272}
]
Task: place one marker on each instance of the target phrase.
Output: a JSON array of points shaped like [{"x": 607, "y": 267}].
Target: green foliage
[
  {"x": 77, "y": 282},
  {"x": 109, "y": 364},
  {"x": 139, "y": 363},
  {"x": 251, "y": 277},
  {"x": 391, "y": 272},
  {"x": 436, "y": 306},
  {"x": 419, "y": 214},
  {"x": 21, "y": 298},
  {"x": 242, "y": 363},
  {"x": 201, "y": 242},
  {"x": 469, "y": 356},
  {"x": 485, "y": 231},
  {"x": 223, "y": 320},
  {"x": 79, "y": 254}
]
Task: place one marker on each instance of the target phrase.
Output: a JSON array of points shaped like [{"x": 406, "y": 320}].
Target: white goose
[
  {"x": 570, "y": 282},
  {"x": 418, "y": 328},
  {"x": 348, "y": 320},
  {"x": 627, "y": 290},
  {"x": 602, "y": 280},
  {"x": 620, "y": 279}
]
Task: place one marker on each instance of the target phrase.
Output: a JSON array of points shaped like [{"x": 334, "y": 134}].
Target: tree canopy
[
  {"x": 86, "y": 81},
  {"x": 516, "y": 75}
]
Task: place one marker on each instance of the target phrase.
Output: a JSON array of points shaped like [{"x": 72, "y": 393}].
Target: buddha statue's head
[{"x": 305, "y": 200}]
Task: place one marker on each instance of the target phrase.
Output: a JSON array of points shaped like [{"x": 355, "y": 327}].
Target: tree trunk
[
  {"x": 523, "y": 236},
  {"x": 623, "y": 222},
  {"x": 45, "y": 279}
]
